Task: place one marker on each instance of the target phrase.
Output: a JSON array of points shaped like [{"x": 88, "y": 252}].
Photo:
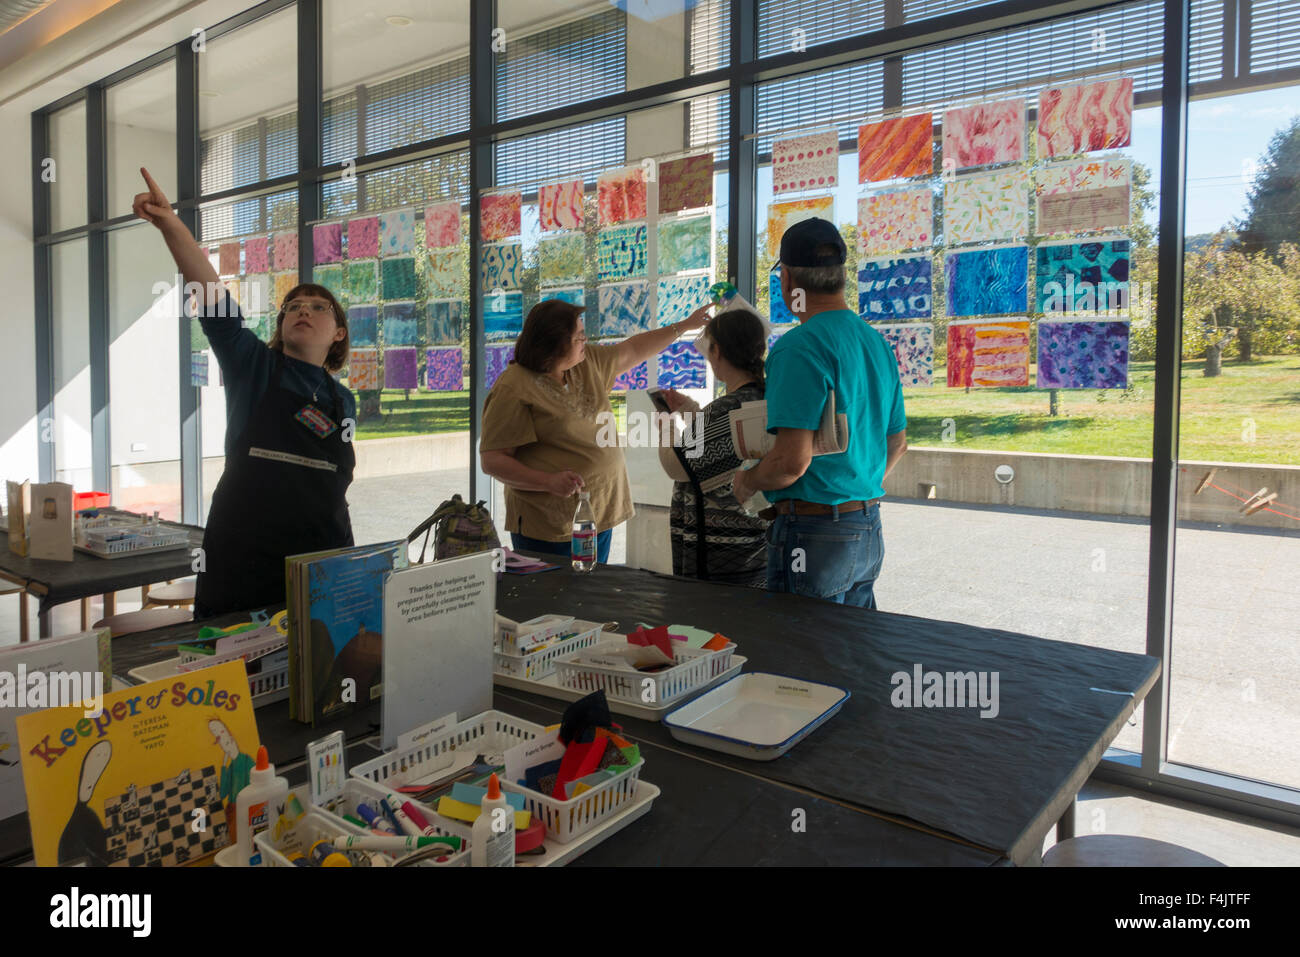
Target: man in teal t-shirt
[{"x": 826, "y": 541}]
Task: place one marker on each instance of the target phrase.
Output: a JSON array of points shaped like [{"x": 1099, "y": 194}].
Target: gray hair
[{"x": 817, "y": 279}]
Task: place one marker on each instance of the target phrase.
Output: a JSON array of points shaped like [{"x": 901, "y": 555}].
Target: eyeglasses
[{"x": 299, "y": 304}]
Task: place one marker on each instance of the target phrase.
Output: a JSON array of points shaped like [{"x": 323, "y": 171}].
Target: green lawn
[{"x": 1215, "y": 413}]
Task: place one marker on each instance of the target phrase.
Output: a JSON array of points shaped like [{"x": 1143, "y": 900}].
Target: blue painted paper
[
  {"x": 984, "y": 282},
  {"x": 503, "y": 315},
  {"x": 682, "y": 367},
  {"x": 624, "y": 308},
  {"x": 893, "y": 288},
  {"x": 679, "y": 296}
]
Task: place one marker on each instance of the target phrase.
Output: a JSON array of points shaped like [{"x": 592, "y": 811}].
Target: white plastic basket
[
  {"x": 491, "y": 734},
  {"x": 539, "y": 664},
  {"x": 316, "y": 825},
  {"x": 357, "y": 791},
  {"x": 267, "y": 686},
  {"x": 695, "y": 668},
  {"x": 112, "y": 536}
]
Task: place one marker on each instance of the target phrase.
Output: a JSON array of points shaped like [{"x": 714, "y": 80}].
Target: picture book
[
  {"x": 338, "y": 604},
  {"x": 150, "y": 779},
  {"x": 39, "y": 674}
]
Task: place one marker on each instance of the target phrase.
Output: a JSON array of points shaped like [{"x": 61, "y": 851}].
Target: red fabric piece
[{"x": 580, "y": 759}]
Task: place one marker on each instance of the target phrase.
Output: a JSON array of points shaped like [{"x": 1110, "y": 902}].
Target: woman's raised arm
[{"x": 152, "y": 206}]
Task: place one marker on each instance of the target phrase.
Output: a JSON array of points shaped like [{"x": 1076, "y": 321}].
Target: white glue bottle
[
  {"x": 257, "y": 807},
  {"x": 492, "y": 841}
]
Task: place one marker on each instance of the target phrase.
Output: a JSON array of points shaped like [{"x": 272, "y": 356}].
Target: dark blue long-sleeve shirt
[{"x": 248, "y": 365}]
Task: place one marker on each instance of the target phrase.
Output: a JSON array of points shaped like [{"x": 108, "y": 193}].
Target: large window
[
  {"x": 69, "y": 298},
  {"x": 65, "y": 168},
  {"x": 141, "y": 131},
  {"x": 1232, "y": 705}
]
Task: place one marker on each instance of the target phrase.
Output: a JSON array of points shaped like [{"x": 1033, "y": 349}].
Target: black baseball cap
[{"x": 800, "y": 243}]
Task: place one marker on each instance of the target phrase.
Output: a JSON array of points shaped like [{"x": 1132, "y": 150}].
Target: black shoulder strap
[{"x": 701, "y": 539}]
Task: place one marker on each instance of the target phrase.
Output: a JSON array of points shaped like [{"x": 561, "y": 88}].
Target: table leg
[
  {"x": 85, "y": 614},
  {"x": 43, "y": 624},
  {"x": 1065, "y": 826},
  {"x": 110, "y": 603},
  {"x": 144, "y": 597},
  {"x": 24, "y": 633}
]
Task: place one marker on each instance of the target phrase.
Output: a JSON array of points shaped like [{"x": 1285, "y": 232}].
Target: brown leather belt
[{"x": 794, "y": 506}]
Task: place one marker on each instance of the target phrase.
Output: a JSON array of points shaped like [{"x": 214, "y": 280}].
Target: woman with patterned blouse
[{"x": 733, "y": 548}]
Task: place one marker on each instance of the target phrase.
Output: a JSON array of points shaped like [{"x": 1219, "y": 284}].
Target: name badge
[{"x": 316, "y": 421}]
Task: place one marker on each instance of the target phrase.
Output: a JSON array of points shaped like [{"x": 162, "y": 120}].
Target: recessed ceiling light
[{"x": 398, "y": 21}]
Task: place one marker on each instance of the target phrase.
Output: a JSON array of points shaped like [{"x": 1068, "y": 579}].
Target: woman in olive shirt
[{"x": 542, "y": 421}]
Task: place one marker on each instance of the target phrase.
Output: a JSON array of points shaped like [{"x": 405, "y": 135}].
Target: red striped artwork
[
  {"x": 902, "y": 146},
  {"x": 989, "y": 354},
  {"x": 1079, "y": 119}
]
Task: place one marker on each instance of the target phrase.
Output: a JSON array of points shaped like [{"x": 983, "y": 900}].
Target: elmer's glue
[
  {"x": 257, "y": 807},
  {"x": 492, "y": 841}
]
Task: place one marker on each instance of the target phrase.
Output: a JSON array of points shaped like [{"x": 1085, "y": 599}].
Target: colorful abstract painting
[
  {"x": 895, "y": 220},
  {"x": 501, "y": 266},
  {"x": 894, "y": 288},
  {"x": 445, "y": 275},
  {"x": 331, "y": 277},
  {"x": 562, "y": 258},
  {"x": 779, "y": 312},
  {"x": 401, "y": 368},
  {"x": 986, "y": 206},
  {"x": 574, "y": 295},
  {"x": 624, "y": 308},
  {"x": 1075, "y": 277},
  {"x": 444, "y": 370},
  {"x": 401, "y": 324},
  {"x": 684, "y": 244},
  {"x": 198, "y": 339},
  {"x": 900, "y": 147},
  {"x": 262, "y": 326},
  {"x": 805, "y": 162},
  {"x": 363, "y": 325},
  {"x": 397, "y": 232},
  {"x": 363, "y": 370},
  {"x": 496, "y": 358},
  {"x": 363, "y": 237},
  {"x": 257, "y": 255},
  {"x": 327, "y": 243},
  {"x": 686, "y": 183},
  {"x": 621, "y": 252},
  {"x": 398, "y": 279},
  {"x": 983, "y": 134},
  {"x": 284, "y": 284},
  {"x": 620, "y": 195},
  {"x": 228, "y": 259},
  {"x": 559, "y": 205},
  {"x": 499, "y": 215},
  {"x": 676, "y": 297},
  {"x": 982, "y": 282},
  {"x": 286, "y": 252},
  {"x": 913, "y": 345},
  {"x": 638, "y": 377},
  {"x": 1083, "y": 194},
  {"x": 1082, "y": 355},
  {"x": 989, "y": 354},
  {"x": 199, "y": 368},
  {"x": 363, "y": 280},
  {"x": 682, "y": 367},
  {"x": 446, "y": 321},
  {"x": 1083, "y": 118},
  {"x": 503, "y": 315},
  {"x": 781, "y": 216},
  {"x": 442, "y": 225}
]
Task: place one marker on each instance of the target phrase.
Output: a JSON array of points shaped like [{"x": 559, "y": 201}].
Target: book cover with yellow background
[{"x": 148, "y": 781}]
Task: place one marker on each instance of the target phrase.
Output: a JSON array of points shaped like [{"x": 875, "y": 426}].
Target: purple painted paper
[
  {"x": 401, "y": 368},
  {"x": 444, "y": 370}
]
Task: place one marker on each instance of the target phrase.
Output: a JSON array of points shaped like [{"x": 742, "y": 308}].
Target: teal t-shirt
[{"x": 836, "y": 350}]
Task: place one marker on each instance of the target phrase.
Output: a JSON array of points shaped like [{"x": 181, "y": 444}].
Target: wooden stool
[
  {"x": 128, "y": 623},
  {"x": 1122, "y": 850},
  {"x": 7, "y": 588},
  {"x": 172, "y": 595}
]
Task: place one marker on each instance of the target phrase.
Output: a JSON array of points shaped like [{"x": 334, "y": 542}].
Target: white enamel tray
[{"x": 758, "y": 716}]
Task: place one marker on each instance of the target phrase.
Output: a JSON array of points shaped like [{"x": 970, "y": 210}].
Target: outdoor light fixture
[{"x": 1004, "y": 474}]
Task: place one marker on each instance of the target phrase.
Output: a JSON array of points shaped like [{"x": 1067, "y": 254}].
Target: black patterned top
[{"x": 736, "y": 549}]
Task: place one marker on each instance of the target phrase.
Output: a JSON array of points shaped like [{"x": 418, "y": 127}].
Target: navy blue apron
[{"x": 282, "y": 493}]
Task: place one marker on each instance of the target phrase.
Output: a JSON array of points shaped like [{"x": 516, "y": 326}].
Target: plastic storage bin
[
  {"x": 695, "y": 668},
  {"x": 539, "y": 664}
]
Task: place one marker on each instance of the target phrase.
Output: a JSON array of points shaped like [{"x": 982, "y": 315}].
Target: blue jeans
[
  {"x": 836, "y": 557},
  {"x": 522, "y": 543}
]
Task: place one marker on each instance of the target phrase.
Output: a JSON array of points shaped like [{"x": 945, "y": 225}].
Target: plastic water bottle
[{"x": 583, "y": 542}]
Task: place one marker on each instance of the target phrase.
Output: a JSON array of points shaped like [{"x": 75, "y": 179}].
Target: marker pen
[
  {"x": 373, "y": 819},
  {"x": 404, "y": 823},
  {"x": 419, "y": 820},
  {"x": 378, "y": 843}
]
